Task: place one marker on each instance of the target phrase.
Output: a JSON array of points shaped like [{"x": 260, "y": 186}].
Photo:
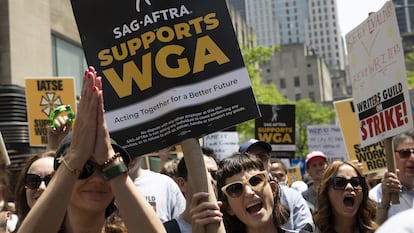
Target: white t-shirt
[{"x": 162, "y": 193}]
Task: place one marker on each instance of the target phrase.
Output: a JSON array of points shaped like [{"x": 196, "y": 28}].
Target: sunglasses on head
[
  {"x": 33, "y": 181},
  {"x": 405, "y": 153},
  {"x": 340, "y": 183},
  {"x": 236, "y": 189},
  {"x": 88, "y": 169}
]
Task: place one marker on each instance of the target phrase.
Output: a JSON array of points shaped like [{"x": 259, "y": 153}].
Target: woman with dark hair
[
  {"x": 32, "y": 182},
  {"x": 90, "y": 173},
  {"x": 344, "y": 205},
  {"x": 250, "y": 199}
]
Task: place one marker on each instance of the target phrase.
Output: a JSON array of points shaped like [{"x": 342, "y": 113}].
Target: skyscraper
[
  {"x": 311, "y": 22},
  {"x": 404, "y": 9}
]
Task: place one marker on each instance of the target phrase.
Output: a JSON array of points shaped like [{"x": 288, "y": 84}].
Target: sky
[{"x": 354, "y": 12}]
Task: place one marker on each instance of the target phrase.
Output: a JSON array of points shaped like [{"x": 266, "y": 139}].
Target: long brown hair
[
  {"x": 325, "y": 218},
  {"x": 22, "y": 208},
  {"x": 233, "y": 165}
]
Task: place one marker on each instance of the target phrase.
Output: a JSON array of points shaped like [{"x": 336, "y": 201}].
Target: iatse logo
[{"x": 138, "y": 8}]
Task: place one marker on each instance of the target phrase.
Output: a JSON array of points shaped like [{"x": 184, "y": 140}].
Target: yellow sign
[
  {"x": 42, "y": 96},
  {"x": 372, "y": 157},
  {"x": 293, "y": 175}
]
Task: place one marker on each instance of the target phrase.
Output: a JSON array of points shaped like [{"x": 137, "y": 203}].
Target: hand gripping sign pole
[
  {"x": 199, "y": 183},
  {"x": 389, "y": 154}
]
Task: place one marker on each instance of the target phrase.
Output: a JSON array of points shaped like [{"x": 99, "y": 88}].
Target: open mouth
[
  {"x": 254, "y": 208},
  {"x": 349, "y": 201}
]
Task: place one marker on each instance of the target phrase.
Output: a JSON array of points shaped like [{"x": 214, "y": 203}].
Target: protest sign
[
  {"x": 171, "y": 70},
  {"x": 372, "y": 157},
  {"x": 224, "y": 144},
  {"x": 42, "y": 96},
  {"x": 277, "y": 127},
  {"x": 328, "y": 139},
  {"x": 4, "y": 155},
  {"x": 293, "y": 175},
  {"x": 377, "y": 71}
]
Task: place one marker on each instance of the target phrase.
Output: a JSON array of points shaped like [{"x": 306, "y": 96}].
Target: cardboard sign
[
  {"x": 293, "y": 175},
  {"x": 372, "y": 157},
  {"x": 42, "y": 96},
  {"x": 277, "y": 127},
  {"x": 224, "y": 144},
  {"x": 379, "y": 83},
  {"x": 328, "y": 139},
  {"x": 171, "y": 70}
]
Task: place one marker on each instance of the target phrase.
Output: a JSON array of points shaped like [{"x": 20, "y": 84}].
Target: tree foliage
[
  {"x": 307, "y": 112},
  {"x": 409, "y": 61},
  {"x": 264, "y": 93}
]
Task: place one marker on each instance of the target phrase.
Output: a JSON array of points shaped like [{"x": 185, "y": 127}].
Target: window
[
  {"x": 310, "y": 80},
  {"x": 68, "y": 60},
  {"x": 297, "y": 97},
  {"x": 312, "y": 96},
  {"x": 282, "y": 83},
  {"x": 296, "y": 81}
]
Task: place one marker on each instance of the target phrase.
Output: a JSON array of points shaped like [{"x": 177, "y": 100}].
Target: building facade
[{"x": 298, "y": 72}]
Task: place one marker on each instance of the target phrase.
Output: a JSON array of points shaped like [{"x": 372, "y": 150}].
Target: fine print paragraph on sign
[{"x": 185, "y": 121}]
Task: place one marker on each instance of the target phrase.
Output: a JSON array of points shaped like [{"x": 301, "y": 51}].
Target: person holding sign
[
  {"x": 344, "y": 205},
  {"x": 251, "y": 201},
  {"x": 38, "y": 170},
  {"x": 300, "y": 216},
  {"x": 401, "y": 183},
  {"x": 92, "y": 173}
]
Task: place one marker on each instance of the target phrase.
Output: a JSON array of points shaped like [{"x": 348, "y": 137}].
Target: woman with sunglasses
[
  {"x": 401, "y": 184},
  {"x": 250, "y": 200},
  {"x": 90, "y": 176},
  {"x": 344, "y": 205},
  {"x": 32, "y": 182},
  {"x": 38, "y": 170}
]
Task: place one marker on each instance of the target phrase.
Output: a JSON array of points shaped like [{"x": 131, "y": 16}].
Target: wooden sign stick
[
  {"x": 196, "y": 169},
  {"x": 389, "y": 154}
]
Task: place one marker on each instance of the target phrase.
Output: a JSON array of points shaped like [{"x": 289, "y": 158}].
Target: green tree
[
  {"x": 264, "y": 93},
  {"x": 307, "y": 112},
  {"x": 409, "y": 61}
]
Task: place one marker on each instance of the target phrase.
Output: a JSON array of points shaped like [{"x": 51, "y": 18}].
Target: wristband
[
  {"x": 117, "y": 169},
  {"x": 59, "y": 109}
]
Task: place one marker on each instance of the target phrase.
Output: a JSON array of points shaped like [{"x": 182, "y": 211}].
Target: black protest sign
[
  {"x": 277, "y": 127},
  {"x": 171, "y": 69}
]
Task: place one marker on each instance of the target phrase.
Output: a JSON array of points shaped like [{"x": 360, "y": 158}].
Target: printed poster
[
  {"x": 372, "y": 157},
  {"x": 277, "y": 127},
  {"x": 42, "y": 96},
  {"x": 379, "y": 83},
  {"x": 171, "y": 70}
]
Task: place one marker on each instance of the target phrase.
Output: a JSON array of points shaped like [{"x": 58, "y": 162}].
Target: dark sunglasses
[
  {"x": 236, "y": 189},
  {"x": 339, "y": 183},
  {"x": 405, "y": 153},
  {"x": 33, "y": 181},
  {"x": 88, "y": 169}
]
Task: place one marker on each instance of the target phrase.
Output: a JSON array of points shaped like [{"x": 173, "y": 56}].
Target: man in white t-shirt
[{"x": 161, "y": 191}]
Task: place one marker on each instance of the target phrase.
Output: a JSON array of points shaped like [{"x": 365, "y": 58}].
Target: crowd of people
[{"x": 86, "y": 182}]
